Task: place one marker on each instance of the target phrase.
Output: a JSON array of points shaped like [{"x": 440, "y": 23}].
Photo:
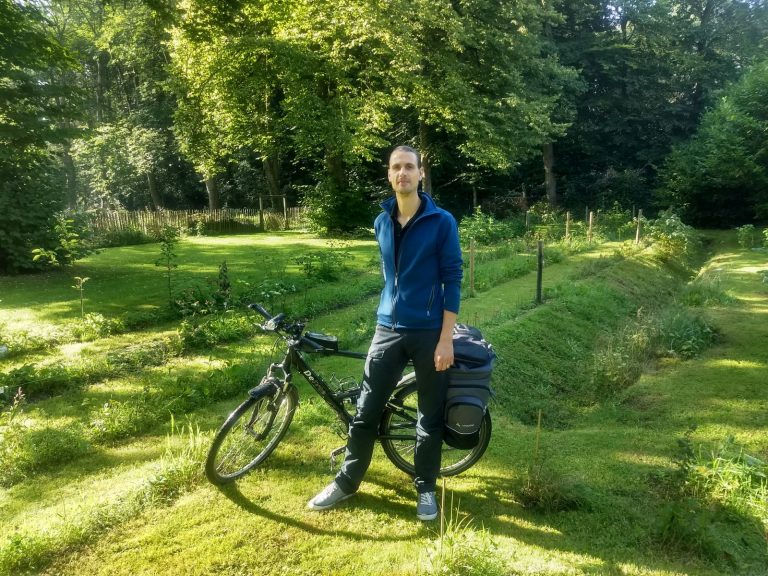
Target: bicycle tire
[
  {"x": 239, "y": 446},
  {"x": 400, "y": 452}
]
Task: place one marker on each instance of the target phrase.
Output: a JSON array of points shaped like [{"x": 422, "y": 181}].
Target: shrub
[
  {"x": 486, "y": 230},
  {"x": 672, "y": 238},
  {"x": 748, "y": 236}
]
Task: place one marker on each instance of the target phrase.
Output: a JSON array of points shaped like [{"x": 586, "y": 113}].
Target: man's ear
[{"x": 421, "y": 173}]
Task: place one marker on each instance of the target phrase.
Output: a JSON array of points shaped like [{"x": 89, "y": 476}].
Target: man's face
[{"x": 404, "y": 172}]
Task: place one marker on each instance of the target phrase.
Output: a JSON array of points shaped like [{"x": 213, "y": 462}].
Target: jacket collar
[{"x": 429, "y": 204}]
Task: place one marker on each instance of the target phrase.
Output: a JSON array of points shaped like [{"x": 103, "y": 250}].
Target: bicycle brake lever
[{"x": 273, "y": 323}]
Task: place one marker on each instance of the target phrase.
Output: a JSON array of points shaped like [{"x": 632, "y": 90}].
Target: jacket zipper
[
  {"x": 397, "y": 270},
  {"x": 431, "y": 298}
]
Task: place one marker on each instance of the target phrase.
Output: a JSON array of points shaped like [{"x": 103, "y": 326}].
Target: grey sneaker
[
  {"x": 328, "y": 498},
  {"x": 426, "y": 508}
]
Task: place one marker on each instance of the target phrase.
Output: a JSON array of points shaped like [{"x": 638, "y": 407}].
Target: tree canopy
[{"x": 184, "y": 103}]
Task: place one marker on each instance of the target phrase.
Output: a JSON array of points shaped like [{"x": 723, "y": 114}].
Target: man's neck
[{"x": 407, "y": 205}]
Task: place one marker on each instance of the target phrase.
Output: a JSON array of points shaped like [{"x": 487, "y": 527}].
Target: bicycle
[{"x": 254, "y": 429}]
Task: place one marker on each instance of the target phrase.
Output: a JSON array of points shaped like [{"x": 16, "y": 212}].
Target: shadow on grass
[{"x": 362, "y": 500}]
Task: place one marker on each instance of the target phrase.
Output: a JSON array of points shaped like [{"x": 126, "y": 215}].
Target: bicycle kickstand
[{"x": 334, "y": 454}]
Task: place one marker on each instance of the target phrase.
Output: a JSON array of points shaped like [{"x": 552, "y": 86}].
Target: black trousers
[{"x": 388, "y": 356}]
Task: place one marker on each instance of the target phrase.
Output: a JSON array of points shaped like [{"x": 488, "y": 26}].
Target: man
[{"x": 421, "y": 261}]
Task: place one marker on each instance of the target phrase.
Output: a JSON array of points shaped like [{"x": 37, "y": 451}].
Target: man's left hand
[{"x": 444, "y": 355}]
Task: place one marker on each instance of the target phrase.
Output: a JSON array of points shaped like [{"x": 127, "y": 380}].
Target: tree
[
  {"x": 720, "y": 177},
  {"x": 34, "y": 112}
]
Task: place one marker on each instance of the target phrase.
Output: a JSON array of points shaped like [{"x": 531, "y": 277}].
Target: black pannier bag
[{"x": 469, "y": 387}]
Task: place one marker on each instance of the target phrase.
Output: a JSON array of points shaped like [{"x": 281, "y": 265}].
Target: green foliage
[
  {"x": 26, "y": 450},
  {"x": 169, "y": 239},
  {"x": 116, "y": 420},
  {"x": 672, "y": 331},
  {"x": 461, "y": 549},
  {"x": 706, "y": 291},
  {"x": 199, "y": 333},
  {"x": 672, "y": 238},
  {"x": 717, "y": 504},
  {"x": 747, "y": 236},
  {"x": 197, "y": 301},
  {"x": 35, "y": 107},
  {"x": 93, "y": 326},
  {"x": 327, "y": 265},
  {"x": 720, "y": 176},
  {"x": 123, "y": 237},
  {"x": 486, "y": 230}
]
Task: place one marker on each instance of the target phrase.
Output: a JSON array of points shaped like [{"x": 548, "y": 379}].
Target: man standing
[{"x": 421, "y": 261}]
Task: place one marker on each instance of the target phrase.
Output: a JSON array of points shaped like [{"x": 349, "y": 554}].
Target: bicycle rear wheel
[
  {"x": 402, "y": 423},
  {"x": 250, "y": 433}
]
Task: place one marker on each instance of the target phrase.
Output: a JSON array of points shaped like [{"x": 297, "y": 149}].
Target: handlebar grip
[{"x": 261, "y": 310}]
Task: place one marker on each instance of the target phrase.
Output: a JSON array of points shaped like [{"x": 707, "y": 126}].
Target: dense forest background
[{"x": 161, "y": 104}]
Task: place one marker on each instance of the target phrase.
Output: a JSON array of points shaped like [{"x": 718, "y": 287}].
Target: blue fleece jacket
[{"x": 426, "y": 279}]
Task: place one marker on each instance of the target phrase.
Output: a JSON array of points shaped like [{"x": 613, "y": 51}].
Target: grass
[{"x": 608, "y": 451}]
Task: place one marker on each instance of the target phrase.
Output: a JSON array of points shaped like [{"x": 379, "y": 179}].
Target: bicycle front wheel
[
  {"x": 398, "y": 435},
  {"x": 250, "y": 433}
]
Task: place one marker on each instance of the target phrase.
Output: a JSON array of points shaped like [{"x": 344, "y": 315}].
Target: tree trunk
[
  {"x": 426, "y": 157},
  {"x": 272, "y": 172},
  {"x": 214, "y": 201},
  {"x": 154, "y": 193},
  {"x": 71, "y": 176},
  {"x": 548, "y": 154}
]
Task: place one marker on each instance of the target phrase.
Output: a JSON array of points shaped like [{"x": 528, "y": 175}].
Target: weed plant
[
  {"x": 674, "y": 332},
  {"x": 716, "y": 504},
  {"x": 706, "y": 291},
  {"x": 460, "y": 549}
]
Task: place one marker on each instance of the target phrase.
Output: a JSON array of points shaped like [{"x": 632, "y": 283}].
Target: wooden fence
[{"x": 225, "y": 221}]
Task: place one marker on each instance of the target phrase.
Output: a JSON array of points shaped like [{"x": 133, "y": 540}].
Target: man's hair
[{"x": 406, "y": 149}]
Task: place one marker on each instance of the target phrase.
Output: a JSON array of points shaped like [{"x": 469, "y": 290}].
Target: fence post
[
  {"x": 261, "y": 213},
  {"x": 539, "y": 270},
  {"x": 568, "y": 227},
  {"x": 639, "y": 225},
  {"x": 527, "y": 219},
  {"x": 472, "y": 268},
  {"x": 285, "y": 211},
  {"x": 589, "y": 230}
]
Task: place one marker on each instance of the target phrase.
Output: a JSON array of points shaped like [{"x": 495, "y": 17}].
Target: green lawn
[{"x": 97, "y": 515}]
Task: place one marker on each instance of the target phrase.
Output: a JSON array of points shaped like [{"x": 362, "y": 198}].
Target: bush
[
  {"x": 672, "y": 238},
  {"x": 486, "y": 230},
  {"x": 748, "y": 236}
]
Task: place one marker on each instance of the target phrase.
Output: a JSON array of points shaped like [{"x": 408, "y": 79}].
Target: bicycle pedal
[{"x": 335, "y": 454}]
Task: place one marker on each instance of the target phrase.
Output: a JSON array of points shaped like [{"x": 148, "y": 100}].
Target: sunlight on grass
[{"x": 730, "y": 363}]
